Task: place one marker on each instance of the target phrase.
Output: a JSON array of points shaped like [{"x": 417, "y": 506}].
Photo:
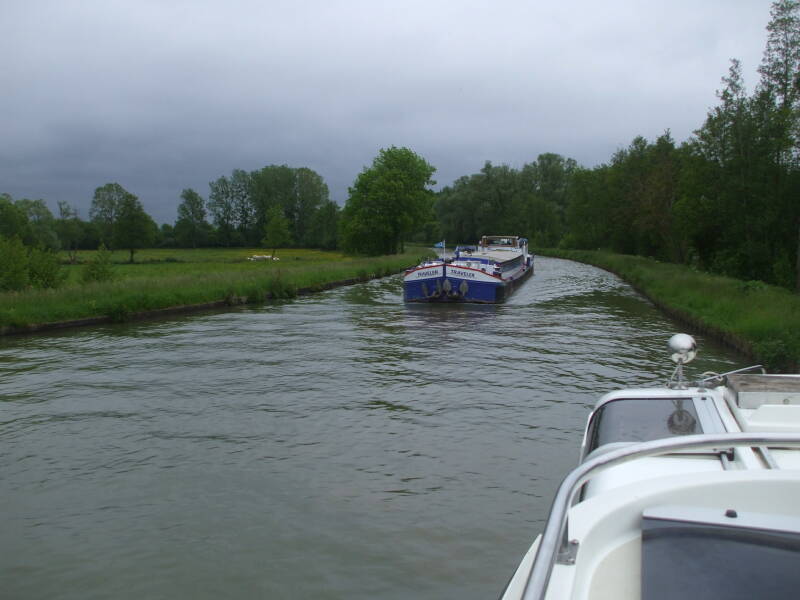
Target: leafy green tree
[
  {"x": 191, "y": 228},
  {"x": 531, "y": 202},
  {"x": 221, "y": 207},
  {"x": 387, "y": 201},
  {"x": 239, "y": 204},
  {"x": 589, "y": 205},
  {"x": 548, "y": 178},
  {"x": 460, "y": 208},
  {"x": 167, "y": 236},
  {"x": 323, "y": 228},
  {"x": 244, "y": 214},
  {"x": 276, "y": 230},
  {"x": 42, "y": 230},
  {"x": 90, "y": 236},
  {"x": 780, "y": 82},
  {"x": 311, "y": 194},
  {"x": 13, "y": 220},
  {"x": 780, "y": 68},
  {"x": 105, "y": 208},
  {"x": 133, "y": 228},
  {"x": 271, "y": 186}
]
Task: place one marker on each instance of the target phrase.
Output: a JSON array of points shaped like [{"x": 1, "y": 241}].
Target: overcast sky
[{"x": 164, "y": 95}]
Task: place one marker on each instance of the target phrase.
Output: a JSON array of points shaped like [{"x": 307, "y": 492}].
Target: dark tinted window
[
  {"x": 642, "y": 419},
  {"x": 704, "y": 562}
]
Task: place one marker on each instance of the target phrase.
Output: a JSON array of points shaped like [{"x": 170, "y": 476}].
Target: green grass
[
  {"x": 170, "y": 278},
  {"x": 759, "y": 319}
]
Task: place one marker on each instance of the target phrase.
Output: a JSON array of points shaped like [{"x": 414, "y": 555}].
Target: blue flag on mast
[{"x": 439, "y": 244}]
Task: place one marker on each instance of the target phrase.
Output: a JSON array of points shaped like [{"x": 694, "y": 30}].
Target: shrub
[
  {"x": 776, "y": 355},
  {"x": 99, "y": 267},
  {"x": 13, "y": 264},
  {"x": 44, "y": 269}
]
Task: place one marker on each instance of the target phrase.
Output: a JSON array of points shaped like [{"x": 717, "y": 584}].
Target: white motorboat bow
[{"x": 686, "y": 491}]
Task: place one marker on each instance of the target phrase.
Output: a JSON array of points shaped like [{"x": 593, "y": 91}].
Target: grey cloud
[{"x": 162, "y": 96}]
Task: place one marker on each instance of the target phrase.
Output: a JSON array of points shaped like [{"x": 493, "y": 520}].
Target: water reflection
[{"x": 681, "y": 421}]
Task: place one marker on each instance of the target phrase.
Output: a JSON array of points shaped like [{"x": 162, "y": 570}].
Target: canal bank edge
[
  {"x": 177, "y": 310},
  {"x": 774, "y": 355}
]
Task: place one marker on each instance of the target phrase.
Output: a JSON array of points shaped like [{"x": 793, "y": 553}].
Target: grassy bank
[
  {"x": 163, "y": 279},
  {"x": 760, "y": 320}
]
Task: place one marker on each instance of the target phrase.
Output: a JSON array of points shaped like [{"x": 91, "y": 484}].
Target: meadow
[
  {"x": 169, "y": 278},
  {"x": 760, "y": 320}
]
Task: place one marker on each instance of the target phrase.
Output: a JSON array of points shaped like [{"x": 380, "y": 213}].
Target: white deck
[{"x": 607, "y": 521}]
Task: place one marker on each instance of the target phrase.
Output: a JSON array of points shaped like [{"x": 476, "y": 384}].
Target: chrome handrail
[
  {"x": 539, "y": 577},
  {"x": 721, "y": 376}
]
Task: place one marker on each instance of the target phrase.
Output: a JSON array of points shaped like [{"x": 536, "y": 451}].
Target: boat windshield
[{"x": 642, "y": 419}]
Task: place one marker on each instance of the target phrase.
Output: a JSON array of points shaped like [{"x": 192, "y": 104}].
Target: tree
[
  {"x": 276, "y": 229},
  {"x": 42, "y": 224},
  {"x": 244, "y": 215},
  {"x": 548, "y": 178},
  {"x": 133, "y": 227},
  {"x": 272, "y": 186},
  {"x": 13, "y": 264},
  {"x": 68, "y": 228},
  {"x": 779, "y": 67},
  {"x": 13, "y": 220},
  {"x": 323, "y": 228},
  {"x": 590, "y": 202},
  {"x": 105, "y": 207},
  {"x": 778, "y": 98},
  {"x": 191, "y": 227},
  {"x": 386, "y": 202},
  {"x": 311, "y": 193},
  {"x": 166, "y": 236},
  {"x": 220, "y": 205}
]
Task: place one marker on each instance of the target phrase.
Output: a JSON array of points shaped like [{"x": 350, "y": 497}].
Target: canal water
[{"x": 341, "y": 445}]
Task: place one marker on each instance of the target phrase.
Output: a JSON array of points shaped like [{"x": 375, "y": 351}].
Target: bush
[
  {"x": 99, "y": 267},
  {"x": 21, "y": 267},
  {"x": 13, "y": 264},
  {"x": 44, "y": 269}
]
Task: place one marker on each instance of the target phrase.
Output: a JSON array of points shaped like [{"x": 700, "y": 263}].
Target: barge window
[{"x": 710, "y": 561}]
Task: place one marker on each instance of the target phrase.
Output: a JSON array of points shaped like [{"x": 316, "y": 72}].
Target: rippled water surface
[{"x": 342, "y": 445}]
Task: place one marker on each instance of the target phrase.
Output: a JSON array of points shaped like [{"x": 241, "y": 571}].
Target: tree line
[
  {"x": 241, "y": 206},
  {"x": 725, "y": 200},
  {"x": 237, "y": 213},
  {"x": 274, "y": 206}
]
